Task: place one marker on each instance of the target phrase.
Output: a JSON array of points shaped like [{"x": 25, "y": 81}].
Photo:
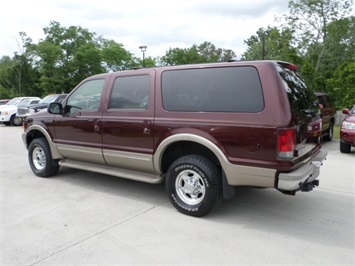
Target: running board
[{"x": 107, "y": 170}]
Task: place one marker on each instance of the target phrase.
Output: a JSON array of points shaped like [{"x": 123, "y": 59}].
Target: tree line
[{"x": 316, "y": 35}]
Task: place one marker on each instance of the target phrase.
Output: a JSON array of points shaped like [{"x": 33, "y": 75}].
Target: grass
[{"x": 336, "y": 132}]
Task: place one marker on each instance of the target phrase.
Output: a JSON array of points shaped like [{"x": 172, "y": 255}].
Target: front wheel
[
  {"x": 40, "y": 158},
  {"x": 193, "y": 184},
  {"x": 15, "y": 121},
  {"x": 344, "y": 147}
]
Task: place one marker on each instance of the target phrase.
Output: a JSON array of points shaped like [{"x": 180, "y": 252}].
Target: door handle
[{"x": 147, "y": 127}]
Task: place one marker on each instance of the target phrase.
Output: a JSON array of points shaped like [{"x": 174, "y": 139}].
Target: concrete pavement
[{"x": 79, "y": 217}]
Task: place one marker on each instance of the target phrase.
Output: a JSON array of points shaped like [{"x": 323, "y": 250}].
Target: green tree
[
  {"x": 66, "y": 56},
  {"x": 18, "y": 77},
  {"x": 208, "y": 52},
  {"x": 343, "y": 85},
  {"x": 148, "y": 62},
  {"x": 340, "y": 44},
  {"x": 7, "y": 80},
  {"x": 310, "y": 20},
  {"x": 203, "y": 53},
  {"x": 115, "y": 57},
  {"x": 271, "y": 44}
]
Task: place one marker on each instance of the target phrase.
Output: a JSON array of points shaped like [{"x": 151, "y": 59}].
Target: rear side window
[
  {"x": 131, "y": 92},
  {"x": 229, "y": 89}
]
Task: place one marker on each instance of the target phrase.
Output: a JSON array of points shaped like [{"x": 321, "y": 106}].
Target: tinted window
[
  {"x": 130, "y": 93},
  {"x": 299, "y": 96},
  {"x": 229, "y": 89}
]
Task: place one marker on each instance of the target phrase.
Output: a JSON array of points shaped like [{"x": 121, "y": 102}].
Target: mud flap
[{"x": 228, "y": 191}]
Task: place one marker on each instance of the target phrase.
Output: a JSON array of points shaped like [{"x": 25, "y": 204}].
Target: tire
[
  {"x": 344, "y": 147},
  {"x": 329, "y": 135},
  {"x": 14, "y": 121},
  {"x": 40, "y": 158},
  {"x": 193, "y": 185}
]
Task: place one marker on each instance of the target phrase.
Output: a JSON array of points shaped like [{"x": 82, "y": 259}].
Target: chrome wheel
[
  {"x": 190, "y": 187},
  {"x": 39, "y": 158},
  {"x": 17, "y": 121}
]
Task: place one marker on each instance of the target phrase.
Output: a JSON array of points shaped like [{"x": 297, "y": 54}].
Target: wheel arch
[
  {"x": 36, "y": 131},
  {"x": 179, "y": 145}
]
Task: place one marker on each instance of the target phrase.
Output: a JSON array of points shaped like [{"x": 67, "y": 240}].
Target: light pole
[{"x": 143, "y": 49}]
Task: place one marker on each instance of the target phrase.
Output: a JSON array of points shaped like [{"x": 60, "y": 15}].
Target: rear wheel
[
  {"x": 344, "y": 147},
  {"x": 193, "y": 184},
  {"x": 329, "y": 135},
  {"x": 40, "y": 158}
]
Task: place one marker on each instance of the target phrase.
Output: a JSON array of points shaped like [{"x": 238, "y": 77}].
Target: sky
[{"x": 160, "y": 25}]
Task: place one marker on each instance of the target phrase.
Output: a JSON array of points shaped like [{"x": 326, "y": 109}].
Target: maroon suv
[{"x": 202, "y": 129}]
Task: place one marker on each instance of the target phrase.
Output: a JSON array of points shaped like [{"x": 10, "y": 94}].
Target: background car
[
  {"x": 4, "y": 101},
  {"x": 347, "y": 131},
  {"x": 328, "y": 112},
  {"x": 23, "y": 111},
  {"x": 8, "y": 111}
]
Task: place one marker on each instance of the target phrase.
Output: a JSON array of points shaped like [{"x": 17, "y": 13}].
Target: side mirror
[
  {"x": 346, "y": 111},
  {"x": 55, "y": 108}
]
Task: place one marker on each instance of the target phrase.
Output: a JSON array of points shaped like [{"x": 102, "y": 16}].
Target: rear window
[
  {"x": 299, "y": 96},
  {"x": 228, "y": 89}
]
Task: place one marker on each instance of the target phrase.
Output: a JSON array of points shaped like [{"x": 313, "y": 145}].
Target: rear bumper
[{"x": 295, "y": 180}]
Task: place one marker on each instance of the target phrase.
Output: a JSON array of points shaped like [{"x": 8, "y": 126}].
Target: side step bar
[{"x": 102, "y": 169}]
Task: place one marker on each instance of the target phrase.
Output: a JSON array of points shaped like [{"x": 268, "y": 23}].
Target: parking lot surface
[{"x": 78, "y": 218}]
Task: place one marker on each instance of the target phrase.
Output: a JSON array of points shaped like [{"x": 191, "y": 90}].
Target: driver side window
[{"x": 86, "y": 97}]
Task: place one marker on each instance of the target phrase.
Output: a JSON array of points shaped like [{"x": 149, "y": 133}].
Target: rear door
[
  {"x": 127, "y": 122},
  {"x": 305, "y": 112}
]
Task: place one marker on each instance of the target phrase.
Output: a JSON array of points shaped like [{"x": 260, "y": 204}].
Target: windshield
[
  {"x": 49, "y": 99},
  {"x": 14, "y": 101},
  {"x": 353, "y": 110},
  {"x": 25, "y": 102}
]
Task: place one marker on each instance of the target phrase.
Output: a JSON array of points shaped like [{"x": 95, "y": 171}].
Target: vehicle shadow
[{"x": 313, "y": 216}]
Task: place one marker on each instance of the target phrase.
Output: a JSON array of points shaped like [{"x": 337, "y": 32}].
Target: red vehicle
[
  {"x": 347, "y": 131},
  {"x": 328, "y": 112},
  {"x": 4, "y": 101},
  {"x": 203, "y": 129}
]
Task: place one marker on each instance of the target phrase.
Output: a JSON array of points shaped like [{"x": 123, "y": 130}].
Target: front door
[{"x": 78, "y": 131}]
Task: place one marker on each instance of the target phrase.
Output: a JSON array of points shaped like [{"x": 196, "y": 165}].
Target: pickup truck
[{"x": 8, "y": 111}]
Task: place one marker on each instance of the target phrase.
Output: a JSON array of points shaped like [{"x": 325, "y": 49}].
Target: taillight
[
  {"x": 314, "y": 129},
  {"x": 286, "y": 143}
]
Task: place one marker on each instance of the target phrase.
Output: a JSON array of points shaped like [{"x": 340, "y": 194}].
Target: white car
[{"x": 8, "y": 111}]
